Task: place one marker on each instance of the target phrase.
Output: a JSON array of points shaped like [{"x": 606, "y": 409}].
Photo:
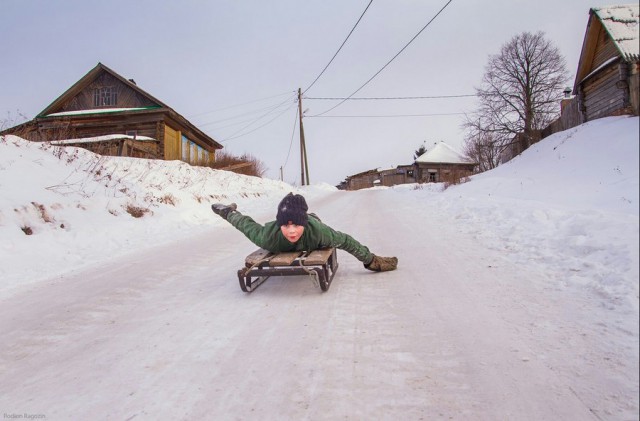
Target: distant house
[
  {"x": 402, "y": 174},
  {"x": 441, "y": 164},
  {"x": 111, "y": 115},
  {"x": 607, "y": 77}
]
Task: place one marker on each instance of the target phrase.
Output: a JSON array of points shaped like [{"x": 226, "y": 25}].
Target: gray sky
[{"x": 224, "y": 64}]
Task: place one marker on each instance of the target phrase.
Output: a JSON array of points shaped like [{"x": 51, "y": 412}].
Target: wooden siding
[
  {"x": 171, "y": 143},
  {"x": 605, "y": 49},
  {"x": 132, "y": 112},
  {"x": 603, "y": 93},
  {"x": 634, "y": 87},
  {"x": 437, "y": 173},
  {"x": 126, "y": 97}
]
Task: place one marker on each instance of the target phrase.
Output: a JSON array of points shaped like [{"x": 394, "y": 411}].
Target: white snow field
[{"x": 516, "y": 295}]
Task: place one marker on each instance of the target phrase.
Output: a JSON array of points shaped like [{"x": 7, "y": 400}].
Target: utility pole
[{"x": 304, "y": 166}]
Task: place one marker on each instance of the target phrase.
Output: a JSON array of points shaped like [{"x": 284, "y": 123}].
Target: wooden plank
[
  {"x": 256, "y": 257},
  {"x": 318, "y": 257},
  {"x": 284, "y": 259}
]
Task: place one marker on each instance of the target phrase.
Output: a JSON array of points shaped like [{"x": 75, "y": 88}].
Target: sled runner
[{"x": 320, "y": 265}]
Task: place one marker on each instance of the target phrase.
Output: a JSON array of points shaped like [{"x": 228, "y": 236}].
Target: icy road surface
[{"x": 459, "y": 331}]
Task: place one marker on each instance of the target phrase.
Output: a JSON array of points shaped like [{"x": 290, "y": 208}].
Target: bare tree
[
  {"x": 520, "y": 95},
  {"x": 484, "y": 149},
  {"x": 12, "y": 120}
]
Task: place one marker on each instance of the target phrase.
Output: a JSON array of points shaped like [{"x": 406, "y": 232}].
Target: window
[
  {"x": 105, "y": 97},
  {"x": 185, "y": 149}
]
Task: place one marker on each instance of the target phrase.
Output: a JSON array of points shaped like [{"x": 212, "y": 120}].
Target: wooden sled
[{"x": 320, "y": 265}]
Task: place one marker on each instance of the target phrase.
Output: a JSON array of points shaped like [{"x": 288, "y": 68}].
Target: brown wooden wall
[
  {"x": 602, "y": 94},
  {"x": 442, "y": 171},
  {"x": 127, "y": 97},
  {"x": 605, "y": 49},
  {"x": 634, "y": 88},
  {"x": 171, "y": 143}
]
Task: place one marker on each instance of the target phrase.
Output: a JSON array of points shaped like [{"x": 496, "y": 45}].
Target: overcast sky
[{"x": 233, "y": 67}]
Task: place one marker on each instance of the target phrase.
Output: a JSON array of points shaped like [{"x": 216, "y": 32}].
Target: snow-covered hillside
[{"x": 516, "y": 295}]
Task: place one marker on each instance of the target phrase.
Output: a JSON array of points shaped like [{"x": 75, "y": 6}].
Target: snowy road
[{"x": 457, "y": 332}]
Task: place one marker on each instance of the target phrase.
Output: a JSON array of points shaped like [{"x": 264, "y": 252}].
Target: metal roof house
[
  {"x": 607, "y": 77},
  {"x": 110, "y": 115}
]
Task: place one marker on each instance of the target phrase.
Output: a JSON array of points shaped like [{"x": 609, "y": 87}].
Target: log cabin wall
[
  {"x": 605, "y": 48},
  {"x": 603, "y": 93},
  {"x": 107, "y": 92},
  {"x": 171, "y": 143},
  {"x": 104, "y": 103}
]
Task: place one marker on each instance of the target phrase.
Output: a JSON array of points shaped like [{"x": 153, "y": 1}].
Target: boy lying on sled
[{"x": 296, "y": 230}]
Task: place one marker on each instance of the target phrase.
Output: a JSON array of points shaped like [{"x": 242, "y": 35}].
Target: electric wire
[
  {"x": 234, "y": 136},
  {"x": 385, "y": 116},
  {"x": 293, "y": 132},
  {"x": 389, "y": 62},
  {"x": 238, "y": 105},
  {"x": 269, "y": 108},
  {"x": 391, "y": 97},
  {"x": 342, "y": 45},
  {"x": 254, "y": 121}
]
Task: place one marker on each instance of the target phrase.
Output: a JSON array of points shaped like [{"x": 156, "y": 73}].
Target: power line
[
  {"x": 269, "y": 108},
  {"x": 293, "y": 132},
  {"x": 238, "y": 105},
  {"x": 384, "y": 116},
  {"x": 389, "y": 62},
  {"x": 342, "y": 45},
  {"x": 391, "y": 97},
  {"x": 233, "y": 136}
]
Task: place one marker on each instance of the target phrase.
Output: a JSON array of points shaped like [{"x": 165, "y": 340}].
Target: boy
[{"x": 296, "y": 230}]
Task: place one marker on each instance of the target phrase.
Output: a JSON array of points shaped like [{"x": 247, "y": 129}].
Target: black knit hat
[{"x": 292, "y": 208}]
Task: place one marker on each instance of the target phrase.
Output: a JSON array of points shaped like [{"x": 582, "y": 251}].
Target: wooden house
[
  {"x": 111, "y": 115},
  {"x": 441, "y": 164},
  {"x": 607, "y": 77},
  {"x": 362, "y": 180},
  {"x": 402, "y": 174}
]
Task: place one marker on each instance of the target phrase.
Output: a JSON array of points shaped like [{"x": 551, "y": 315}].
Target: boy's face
[{"x": 292, "y": 232}]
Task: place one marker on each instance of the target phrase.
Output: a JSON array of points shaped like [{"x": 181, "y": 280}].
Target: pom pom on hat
[{"x": 293, "y": 208}]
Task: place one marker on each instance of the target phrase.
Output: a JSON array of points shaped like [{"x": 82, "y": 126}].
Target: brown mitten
[{"x": 382, "y": 264}]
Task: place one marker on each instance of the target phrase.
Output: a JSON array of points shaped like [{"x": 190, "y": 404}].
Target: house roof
[
  {"x": 55, "y": 109},
  {"x": 86, "y": 80},
  {"x": 621, "y": 23},
  {"x": 442, "y": 154}
]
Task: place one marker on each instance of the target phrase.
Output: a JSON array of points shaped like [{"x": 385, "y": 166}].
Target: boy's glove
[
  {"x": 382, "y": 264},
  {"x": 223, "y": 210}
]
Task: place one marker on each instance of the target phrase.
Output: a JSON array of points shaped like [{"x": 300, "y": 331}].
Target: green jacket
[{"x": 316, "y": 236}]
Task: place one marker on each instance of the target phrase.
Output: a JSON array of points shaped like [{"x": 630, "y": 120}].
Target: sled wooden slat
[
  {"x": 284, "y": 259},
  {"x": 318, "y": 257},
  {"x": 319, "y": 265},
  {"x": 256, "y": 257}
]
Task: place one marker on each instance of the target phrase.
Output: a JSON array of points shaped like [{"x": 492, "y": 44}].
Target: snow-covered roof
[
  {"x": 443, "y": 154},
  {"x": 622, "y": 23},
  {"x": 99, "y": 111},
  {"x": 104, "y": 138}
]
